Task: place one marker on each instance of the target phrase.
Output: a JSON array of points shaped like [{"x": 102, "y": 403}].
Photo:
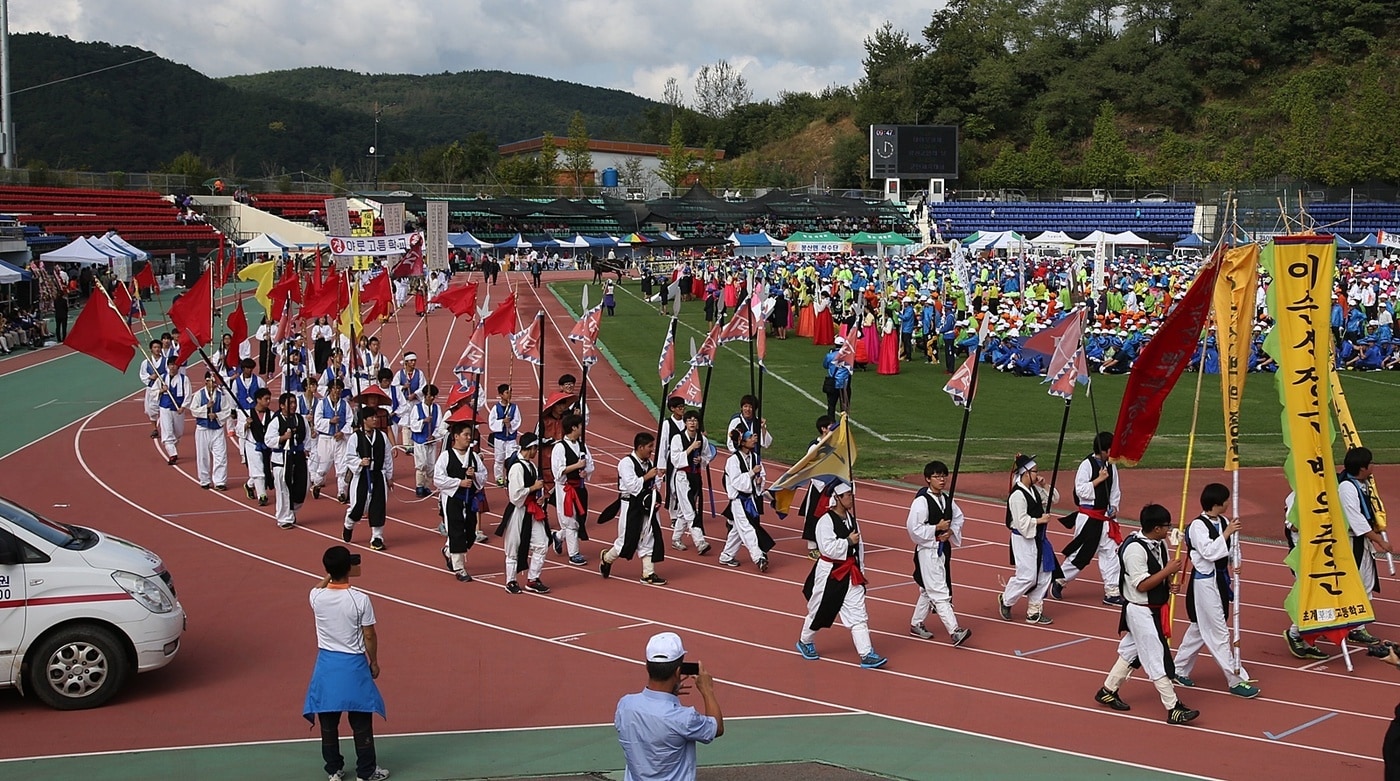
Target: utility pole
[{"x": 7, "y": 124}]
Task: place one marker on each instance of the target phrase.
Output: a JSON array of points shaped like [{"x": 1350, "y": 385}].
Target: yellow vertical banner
[
  {"x": 1327, "y": 593},
  {"x": 1233, "y": 301},
  {"x": 1351, "y": 438}
]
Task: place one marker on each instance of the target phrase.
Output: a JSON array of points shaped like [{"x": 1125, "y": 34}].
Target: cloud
[{"x": 780, "y": 45}]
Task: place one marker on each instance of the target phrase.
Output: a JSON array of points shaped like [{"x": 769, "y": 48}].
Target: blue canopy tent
[
  {"x": 9, "y": 274},
  {"x": 465, "y": 240},
  {"x": 514, "y": 242},
  {"x": 1369, "y": 242},
  {"x": 1192, "y": 241}
]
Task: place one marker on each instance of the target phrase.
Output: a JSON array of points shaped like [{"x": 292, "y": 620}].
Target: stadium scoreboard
[{"x": 913, "y": 152}]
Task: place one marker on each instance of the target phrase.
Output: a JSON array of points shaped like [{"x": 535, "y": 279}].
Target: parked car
[{"x": 80, "y": 610}]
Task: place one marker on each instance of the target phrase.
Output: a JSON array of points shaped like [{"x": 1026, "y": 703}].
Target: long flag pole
[
  {"x": 967, "y": 413},
  {"x": 583, "y": 390},
  {"x": 704, "y": 403},
  {"x": 1186, "y": 478}
]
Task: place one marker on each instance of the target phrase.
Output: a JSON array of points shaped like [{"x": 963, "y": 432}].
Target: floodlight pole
[{"x": 7, "y": 129}]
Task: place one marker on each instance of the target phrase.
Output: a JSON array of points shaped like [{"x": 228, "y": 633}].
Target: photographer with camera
[{"x": 657, "y": 733}]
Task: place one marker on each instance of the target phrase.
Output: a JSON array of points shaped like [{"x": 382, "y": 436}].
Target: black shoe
[
  {"x": 345, "y": 533},
  {"x": 654, "y": 579},
  {"x": 377, "y": 545},
  {"x": 154, "y": 434},
  {"x": 1180, "y": 714},
  {"x": 262, "y": 501},
  {"x": 343, "y": 498},
  {"x": 537, "y": 586},
  {"x": 315, "y": 492},
  {"x": 763, "y": 564},
  {"x": 251, "y": 493},
  {"x": 446, "y": 559},
  {"x": 605, "y": 568},
  {"x": 1302, "y": 649},
  {"x": 464, "y": 577},
  {"x": 514, "y": 587},
  {"x": 1111, "y": 699},
  {"x": 1003, "y": 610},
  {"x": 220, "y": 487},
  {"x": 1057, "y": 589},
  {"x": 1360, "y": 636}
]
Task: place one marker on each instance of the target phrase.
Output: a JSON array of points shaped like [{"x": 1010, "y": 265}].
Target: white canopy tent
[
  {"x": 986, "y": 240},
  {"x": 1052, "y": 238},
  {"x": 117, "y": 241},
  {"x": 264, "y": 244},
  {"x": 82, "y": 252},
  {"x": 110, "y": 247},
  {"x": 1127, "y": 239}
]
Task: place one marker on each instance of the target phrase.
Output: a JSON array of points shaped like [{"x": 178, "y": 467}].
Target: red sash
[
  {"x": 848, "y": 567},
  {"x": 1115, "y": 532},
  {"x": 573, "y": 504},
  {"x": 532, "y": 506}
]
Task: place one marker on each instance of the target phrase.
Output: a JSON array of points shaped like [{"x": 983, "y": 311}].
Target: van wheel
[{"x": 77, "y": 667}]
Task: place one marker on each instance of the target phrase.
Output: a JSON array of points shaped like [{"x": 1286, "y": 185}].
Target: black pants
[
  {"x": 948, "y": 345},
  {"x": 362, "y": 728},
  {"x": 906, "y": 344},
  {"x": 60, "y": 322},
  {"x": 838, "y": 400}
]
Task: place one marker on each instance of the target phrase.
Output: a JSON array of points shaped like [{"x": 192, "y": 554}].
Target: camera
[{"x": 693, "y": 668}]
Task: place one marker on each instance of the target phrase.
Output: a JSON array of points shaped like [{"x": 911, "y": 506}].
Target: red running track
[{"x": 471, "y": 656}]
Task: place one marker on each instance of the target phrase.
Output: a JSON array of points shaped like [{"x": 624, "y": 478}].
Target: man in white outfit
[
  {"x": 174, "y": 392},
  {"x": 503, "y": 420},
  {"x": 332, "y": 420},
  {"x": 211, "y": 407},
  {"x": 1097, "y": 494},
  {"x": 836, "y": 585},
  {"x": 571, "y": 463},
  {"x": 688, "y": 451},
  {"x": 152, "y": 372},
  {"x": 935, "y": 524},
  {"x": 523, "y": 528},
  {"x": 743, "y": 483},
  {"x": 1027, "y": 512}
]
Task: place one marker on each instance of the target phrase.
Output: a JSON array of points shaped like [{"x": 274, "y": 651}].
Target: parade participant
[
  {"x": 1031, "y": 552},
  {"x": 658, "y": 734},
  {"x": 426, "y": 428},
  {"x": 321, "y": 335},
  {"x": 370, "y": 462},
  {"x": 347, "y": 662},
  {"x": 503, "y": 420},
  {"x": 688, "y": 451},
  {"x": 286, "y": 440},
  {"x": 1354, "y": 494},
  {"x": 409, "y": 381},
  {"x": 743, "y": 421},
  {"x": 246, "y": 385},
  {"x": 335, "y": 370},
  {"x": 267, "y": 337},
  {"x": 935, "y": 525},
  {"x": 332, "y": 420},
  {"x": 174, "y": 392},
  {"x": 743, "y": 484},
  {"x": 571, "y": 463},
  {"x": 460, "y": 477},
  {"x": 152, "y": 373},
  {"x": 294, "y": 376},
  {"x": 639, "y": 529},
  {"x": 371, "y": 360},
  {"x": 1147, "y": 584},
  {"x": 227, "y": 358},
  {"x": 675, "y": 422},
  {"x": 818, "y": 496},
  {"x": 523, "y": 530},
  {"x": 1209, "y": 593},
  {"x": 1097, "y": 492},
  {"x": 836, "y": 585},
  {"x": 391, "y": 401},
  {"x": 252, "y": 431},
  {"x": 211, "y": 408},
  {"x": 837, "y": 384},
  {"x": 1297, "y": 646}
]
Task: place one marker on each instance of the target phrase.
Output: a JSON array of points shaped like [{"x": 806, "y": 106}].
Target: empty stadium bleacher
[
  {"x": 1156, "y": 221},
  {"x": 143, "y": 218}
]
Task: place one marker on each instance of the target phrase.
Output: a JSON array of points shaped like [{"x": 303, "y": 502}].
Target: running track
[{"x": 471, "y": 656}]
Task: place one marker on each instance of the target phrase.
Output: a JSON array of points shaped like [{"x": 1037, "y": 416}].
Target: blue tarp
[{"x": 760, "y": 239}]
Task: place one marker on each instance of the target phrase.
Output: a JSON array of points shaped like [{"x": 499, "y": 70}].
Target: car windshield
[{"x": 53, "y": 533}]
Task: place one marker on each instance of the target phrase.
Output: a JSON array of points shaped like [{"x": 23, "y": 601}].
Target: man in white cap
[
  {"x": 410, "y": 381},
  {"x": 836, "y": 585},
  {"x": 1027, "y": 512},
  {"x": 657, "y": 733}
]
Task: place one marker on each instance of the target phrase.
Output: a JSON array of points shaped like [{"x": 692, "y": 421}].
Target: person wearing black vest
[
  {"x": 523, "y": 530},
  {"x": 818, "y": 496},
  {"x": 687, "y": 452},
  {"x": 1211, "y": 537},
  {"x": 1147, "y": 584},
  {"x": 836, "y": 585},
  {"x": 460, "y": 477},
  {"x": 571, "y": 463},
  {"x": 935, "y": 524},
  {"x": 286, "y": 441},
  {"x": 744, "y": 485},
  {"x": 370, "y": 461},
  {"x": 744, "y": 422},
  {"x": 1354, "y": 494},
  {"x": 1031, "y": 552},
  {"x": 1097, "y": 493},
  {"x": 253, "y": 433},
  {"x": 639, "y": 527}
]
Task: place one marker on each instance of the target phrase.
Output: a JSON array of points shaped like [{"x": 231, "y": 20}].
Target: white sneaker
[
  {"x": 379, "y": 774},
  {"x": 338, "y": 775}
]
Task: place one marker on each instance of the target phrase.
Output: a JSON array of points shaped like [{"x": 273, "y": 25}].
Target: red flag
[
  {"x": 378, "y": 297},
  {"x": 526, "y": 343},
  {"x": 238, "y": 328},
  {"x": 1067, "y": 363},
  {"x": 473, "y": 360},
  {"x": 846, "y": 353},
  {"x": 736, "y": 330},
  {"x": 706, "y": 354},
  {"x": 288, "y": 288},
  {"x": 102, "y": 333},
  {"x": 761, "y": 343},
  {"x": 325, "y": 301},
  {"x": 460, "y": 300},
  {"x": 223, "y": 269},
  {"x": 121, "y": 299},
  {"x": 1159, "y": 366},
  {"x": 501, "y": 321},
  {"x": 145, "y": 279},
  {"x": 666, "y": 367},
  {"x": 193, "y": 315},
  {"x": 689, "y": 388},
  {"x": 585, "y": 332},
  {"x": 960, "y": 384}
]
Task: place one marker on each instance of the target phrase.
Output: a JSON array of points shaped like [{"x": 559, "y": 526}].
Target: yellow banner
[
  {"x": 832, "y": 458},
  {"x": 1352, "y": 439},
  {"x": 1233, "y": 300},
  {"x": 1327, "y": 593}
]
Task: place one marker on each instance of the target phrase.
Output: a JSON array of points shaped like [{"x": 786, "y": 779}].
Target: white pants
[
  {"x": 172, "y": 427},
  {"x": 504, "y": 449},
  {"x": 1142, "y": 642},
  {"x": 329, "y": 452},
  {"x": 210, "y": 455},
  {"x": 1210, "y": 632},
  {"x": 935, "y": 594},
  {"x": 646, "y": 542},
  {"x": 1029, "y": 581},
  {"x": 1108, "y": 559},
  {"x": 424, "y": 457},
  {"x": 286, "y": 511},
  {"x": 682, "y": 513},
  {"x": 852, "y": 614},
  {"x": 257, "y": 478},
  {"x": 539, "y": 543},
  {"x": 151, "y": 403},
  {"x": 741, "y": 532}
]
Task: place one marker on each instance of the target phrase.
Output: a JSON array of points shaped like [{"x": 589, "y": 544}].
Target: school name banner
[
  {"x": 1328, "y": 594},
  {"x": 374, "y": 245},
  {"x": 819, "y": 247}
]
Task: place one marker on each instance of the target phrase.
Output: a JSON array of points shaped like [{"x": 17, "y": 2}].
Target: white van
[{"x": 80, "y": 611}]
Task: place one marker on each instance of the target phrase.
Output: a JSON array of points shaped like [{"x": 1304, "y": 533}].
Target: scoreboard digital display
[{"x": 913, "y": 152}]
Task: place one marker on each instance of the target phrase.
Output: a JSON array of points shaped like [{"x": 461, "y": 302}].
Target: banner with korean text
[
  {"x": 1328, "y": 594},
  {"x": 1234, "y": 320},
  {"x": 374, "y": 245}
]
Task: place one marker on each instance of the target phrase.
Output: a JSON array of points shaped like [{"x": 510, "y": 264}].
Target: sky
[{"x": 778, "y": 45}]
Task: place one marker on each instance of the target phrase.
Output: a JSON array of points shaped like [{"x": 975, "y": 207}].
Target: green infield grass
[{"x": 902, "y": 421}]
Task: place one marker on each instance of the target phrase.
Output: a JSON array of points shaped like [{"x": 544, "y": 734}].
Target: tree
[
  {"x": 678, "y": 162},
  {"x": 1108, "y": 162},
  {"x": 548, "y": 158},
  {"x": 577, "y": 159},
  {"x": 888, "y": 92},
  {"x": 1042, "y": 166},
  {"x": 673, "y": 97},
  {"x": 720, "y": 89},
  {"x": 706, "y": 166},
  {"x": 633, "y": 173}
]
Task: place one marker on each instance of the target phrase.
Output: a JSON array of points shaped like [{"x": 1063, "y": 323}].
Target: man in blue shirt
[{"x": 657, "y": 733}]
